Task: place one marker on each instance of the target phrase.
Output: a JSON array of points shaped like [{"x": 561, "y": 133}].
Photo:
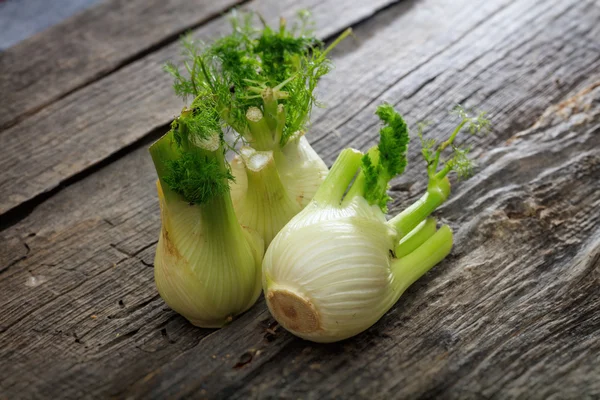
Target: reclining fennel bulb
[{"x": 339, "y": 265}]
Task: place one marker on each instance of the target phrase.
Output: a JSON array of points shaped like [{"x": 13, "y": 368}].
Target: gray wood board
[
  {"x": 91, "y": 124},
  {"x": 512, "y": 313},
  {"x": 21, "y": 19},
  {"x": 89, "y": 45}
]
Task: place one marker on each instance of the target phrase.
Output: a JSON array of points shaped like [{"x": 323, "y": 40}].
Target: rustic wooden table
[{"x": 513, "y": 312}]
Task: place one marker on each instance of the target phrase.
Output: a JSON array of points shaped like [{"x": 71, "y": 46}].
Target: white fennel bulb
[
  {"x": 301, "y": 169},
  {"x": 271, "y": 187},
  {"x": 207, "y": 266},
  {"x": 206, "y": 269},
  {"x": 339, "y": 265}
]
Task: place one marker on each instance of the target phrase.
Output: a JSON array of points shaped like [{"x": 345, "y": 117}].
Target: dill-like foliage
[
  {"x": 459, "y": 160},
  {"x": 393, "y": 140},
  {"x": 375, "y": 192},
  {"x": 197, "y": 177},
  {"x": 197, "y": 123},
  {"x": 197, "y": 169},
  {"x": 391, "y": 152},
  {"x": 237, "y": 68}
]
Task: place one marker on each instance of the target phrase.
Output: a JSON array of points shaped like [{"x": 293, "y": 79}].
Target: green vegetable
[
  {"x": 262, "y": 83},
  {"x": 207, "y": 266},
  {"x": 338, "y": 265},
  {"x": 438, "y": 188}
]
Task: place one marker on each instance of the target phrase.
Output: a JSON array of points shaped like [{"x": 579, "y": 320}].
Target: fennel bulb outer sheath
[
  {"x": 331, "y": 273},
  {"x": 327, "y": 275},
  {"x": 207, "y": 267},
  {"x": 271, "y": 187}
]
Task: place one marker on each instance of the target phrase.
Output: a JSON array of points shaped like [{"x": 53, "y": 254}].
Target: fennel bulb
[
  {"x": 272, "y": 186},
  {"x": 339, "y": 265},
  {"x": 207, "y": 266}
]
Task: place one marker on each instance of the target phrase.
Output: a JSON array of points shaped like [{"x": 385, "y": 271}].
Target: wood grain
[
  {"x": 89, "y": 45},
  {"x": 512, "y": 313},
  {"x": 91, "y": 124},
  {"x": 20, "y": 20},
  {"x": 511, "y": 58}
]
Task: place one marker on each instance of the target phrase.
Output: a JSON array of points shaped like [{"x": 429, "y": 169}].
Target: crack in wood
[{"x": 18, "y": 260}]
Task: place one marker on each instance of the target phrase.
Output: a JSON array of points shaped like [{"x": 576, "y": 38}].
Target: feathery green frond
[
  {"x": 438, "y": 186},
  {"x": 388, "y": 160},
  {"x": 197, "y": 177},
  {"x": 427, "y": 145},
  {"x": 376, "y": 185},
  {"x": 476, "y": 124},
  {"x": 183, "y": 87},
  {"x": 189, "y": 159},
  {"x": 239, "y": 68},
  {"x": 281, "y": 52},
  {"x": 393, "y": 140},
  {"x": 459, "y": 160},
  {"x": 196, "y": 124}
]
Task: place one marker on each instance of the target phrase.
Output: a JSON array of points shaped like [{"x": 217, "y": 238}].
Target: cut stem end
[{"x": 294, "y": 311}]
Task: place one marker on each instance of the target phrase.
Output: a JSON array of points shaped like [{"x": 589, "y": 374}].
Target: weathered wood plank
[
  {"x": 89, "y": 45},
  {"x": 93, "y": 123},
  {"x": 20, "y": 20},
  {"x": 515, "y": 59},
  {"x": 454, "y": 327}
]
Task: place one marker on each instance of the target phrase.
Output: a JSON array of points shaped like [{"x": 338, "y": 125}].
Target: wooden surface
[
  {"x": 513, "y": 312},
  {"x": 21, "y": 19},
  {"x": 91, "y": 45}
]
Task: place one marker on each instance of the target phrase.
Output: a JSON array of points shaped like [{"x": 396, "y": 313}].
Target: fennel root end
[{"x": 293, "y": 311}]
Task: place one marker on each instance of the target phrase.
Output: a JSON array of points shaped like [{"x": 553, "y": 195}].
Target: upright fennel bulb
[
  {"x": 207, "y": 266},
  {"x": 272, "y": 186},
  {"x": 338, "y": 265},
  {"x": 263, "y": 82}
]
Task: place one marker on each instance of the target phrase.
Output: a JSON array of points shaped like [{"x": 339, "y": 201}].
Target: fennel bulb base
[
  {"x": 295, "y": 312},
  {"x": 185, "y": 294}
]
